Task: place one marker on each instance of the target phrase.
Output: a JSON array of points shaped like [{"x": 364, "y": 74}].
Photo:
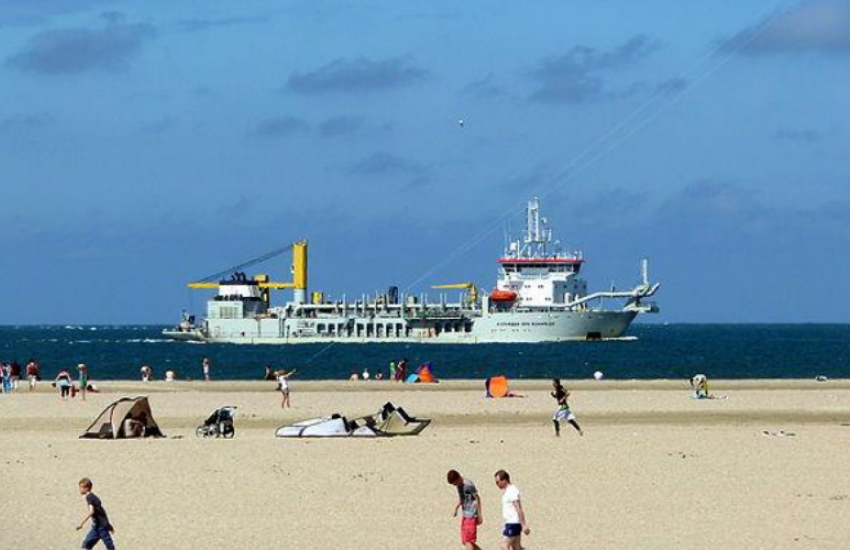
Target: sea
[{"x": 651, "y": 351}]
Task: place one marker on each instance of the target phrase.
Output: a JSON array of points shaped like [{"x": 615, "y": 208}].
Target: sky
[{"x": 147, "y": 144}]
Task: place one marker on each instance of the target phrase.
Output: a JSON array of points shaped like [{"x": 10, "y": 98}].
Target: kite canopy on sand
[
  {"x": 390, "y": 421},
  {"x": 424, "y": 375},
  {"x": 112, "y": 422},
  {"x": 497, "y": 386}
]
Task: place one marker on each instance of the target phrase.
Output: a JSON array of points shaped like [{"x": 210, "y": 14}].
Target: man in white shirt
[{"x": 512, "y": 512}]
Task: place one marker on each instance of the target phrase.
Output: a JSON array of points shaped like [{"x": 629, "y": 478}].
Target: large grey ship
[{"x": 538, "y": 297}]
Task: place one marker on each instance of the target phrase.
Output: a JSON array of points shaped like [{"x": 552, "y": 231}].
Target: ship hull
[{"x": 495, "y": 328}]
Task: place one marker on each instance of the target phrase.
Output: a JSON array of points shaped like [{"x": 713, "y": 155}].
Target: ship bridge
[{"x": 536, "y": 271}]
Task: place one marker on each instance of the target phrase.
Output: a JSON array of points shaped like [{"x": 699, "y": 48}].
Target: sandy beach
[{"x": 655, "y": 470}]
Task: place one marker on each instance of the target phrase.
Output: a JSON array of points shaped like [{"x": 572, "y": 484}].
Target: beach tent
[
  {"x": 497, "y": 386},
  {"x": 112, "y": 422},
  {"x": 426, "y": 374},
  {"x": 390, "y": 421}
]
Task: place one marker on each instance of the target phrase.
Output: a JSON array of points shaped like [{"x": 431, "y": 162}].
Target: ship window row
[{"x": 539, "y": 269}]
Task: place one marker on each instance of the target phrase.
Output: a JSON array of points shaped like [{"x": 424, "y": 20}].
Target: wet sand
[{"x": 656, "y": 469}]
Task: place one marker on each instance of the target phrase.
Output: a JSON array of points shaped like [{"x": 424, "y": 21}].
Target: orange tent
[
  {"x": 497, "y": 386},
  {"x": 425, "y": 374}
]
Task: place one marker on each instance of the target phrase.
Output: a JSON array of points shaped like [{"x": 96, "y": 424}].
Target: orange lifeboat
[{"x": 503, "y": 296}]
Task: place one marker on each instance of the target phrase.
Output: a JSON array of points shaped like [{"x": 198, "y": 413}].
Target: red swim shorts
[{"x": 468, "y": 530}]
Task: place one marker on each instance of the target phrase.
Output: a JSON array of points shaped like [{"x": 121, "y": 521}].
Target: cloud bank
[
  {"x": 359, "y": 75},
  {"x": 579, "y": 75},
  {"x": 74, "y": 51},
  {"x": 819, "y": 27}
]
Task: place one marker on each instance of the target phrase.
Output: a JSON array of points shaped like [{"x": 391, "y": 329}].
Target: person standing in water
[{"x": 563, "y": 412}]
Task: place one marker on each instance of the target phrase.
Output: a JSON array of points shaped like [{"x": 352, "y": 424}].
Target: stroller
[{"x": 219, "y": 424}]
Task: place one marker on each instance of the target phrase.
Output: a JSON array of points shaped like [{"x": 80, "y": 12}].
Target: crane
[
  {"x": 470, "y": 287},
  {"x": 299, "y": 272}
]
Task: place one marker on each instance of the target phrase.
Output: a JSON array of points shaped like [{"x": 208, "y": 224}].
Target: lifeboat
[{"x": 503, "y": 296}]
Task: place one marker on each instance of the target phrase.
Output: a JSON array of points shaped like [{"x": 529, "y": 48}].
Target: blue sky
[{"x": 145, "y": 144}]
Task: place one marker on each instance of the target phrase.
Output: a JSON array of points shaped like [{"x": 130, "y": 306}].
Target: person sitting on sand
[
  {"x": 147, "y": 373},
  {"x": 170, "y": 375},
  {"x": 354, "y": 377},
  {"x": 135, "y": 425},
  {"x": 563, "y": 412},
  {"x": 700, "y": 385}
]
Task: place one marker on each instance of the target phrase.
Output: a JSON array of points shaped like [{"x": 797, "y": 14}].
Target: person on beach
[
  {"x": 283, "y": 386},
  {"x": 392, "y": 370},
  {"x": 365, "y": 375},
  {"x": 563, "y": 412},
  {"x": 354, "y": 377},
  {"x": 147, "y": 373},
  {"x": 512, "y": 512},
  {"x": 83, "y": 380},
  {"x": 206, "y": 365},
  {"x": 15, "y": 374},
  {"x": 470, "y": 503},
  {"x": 32, "y": 374},
  {"x": 101, "y": 528},
  {"x": 401, "y": 370},
  {"x": 64, "y": 383},
  {"x": 269, "y": 374},
  {"x": 700, "y": 385},
  {"x": 6, "y": 374}
]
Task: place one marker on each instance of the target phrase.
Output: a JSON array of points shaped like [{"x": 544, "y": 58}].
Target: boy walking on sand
[
  {"x": 563, "y": 412},
  {"x": 101, "y": 529},
  {"x": 512, "y": 512},
  {"x": 470, "y": 503}
]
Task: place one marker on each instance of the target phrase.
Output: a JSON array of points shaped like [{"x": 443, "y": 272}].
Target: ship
[{"x": 539, "y": 296}]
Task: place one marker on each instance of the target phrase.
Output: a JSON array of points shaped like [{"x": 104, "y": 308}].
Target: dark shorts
[
  {"x": 98, "y": 534},
  {"x": 512, "y": 530}
]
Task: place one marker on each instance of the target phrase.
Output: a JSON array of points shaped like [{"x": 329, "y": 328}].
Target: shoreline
[{"x": 449, "y": 385}]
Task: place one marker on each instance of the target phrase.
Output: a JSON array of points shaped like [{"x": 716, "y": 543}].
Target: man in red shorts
[{"x": 470, "y": 503}]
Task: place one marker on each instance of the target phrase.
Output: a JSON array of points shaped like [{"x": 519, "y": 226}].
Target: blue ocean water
[{"x": 656, "y": 351}]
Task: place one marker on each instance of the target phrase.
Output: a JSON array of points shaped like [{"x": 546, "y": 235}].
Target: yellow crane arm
[
  {"x": 203, "y": 285},
  {"x": 473, "y": 291}
]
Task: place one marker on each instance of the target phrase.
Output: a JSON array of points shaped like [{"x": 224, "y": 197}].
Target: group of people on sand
[
  {"x": 11, "y": 375},
  {"x": 514, "y": 522},
  {"x": 397, "y": 373},
  {"x": 64, "y": 382}
]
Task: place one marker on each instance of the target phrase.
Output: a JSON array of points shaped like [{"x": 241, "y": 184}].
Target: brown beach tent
[{"x": 112, "y": 422}]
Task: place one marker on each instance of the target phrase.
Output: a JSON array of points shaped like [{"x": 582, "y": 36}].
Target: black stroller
[{"x": 219, "y": 424}]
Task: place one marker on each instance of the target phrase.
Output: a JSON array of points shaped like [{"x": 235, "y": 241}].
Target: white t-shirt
[
  {"x": 281, "y": 380},
  {"x": 509, "y": 500}
]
